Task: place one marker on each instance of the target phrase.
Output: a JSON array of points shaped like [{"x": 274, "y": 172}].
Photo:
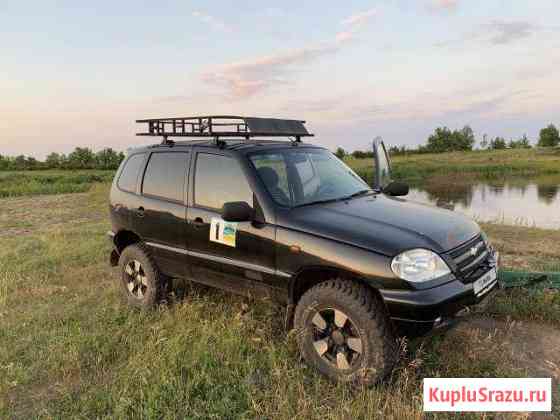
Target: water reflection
[
  {"x": 531, "y": 202},
  {"x": 548, "y": 193}
]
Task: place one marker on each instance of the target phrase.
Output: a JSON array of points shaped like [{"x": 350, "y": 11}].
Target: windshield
[{"x": 297, "y": 177}]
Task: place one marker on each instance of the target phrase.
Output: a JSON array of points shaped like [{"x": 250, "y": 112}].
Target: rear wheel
[
  {"x": 344, "y": 333},
  {"x": 142, "y": 285}
]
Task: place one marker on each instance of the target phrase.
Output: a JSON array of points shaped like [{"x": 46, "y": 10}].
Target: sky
[{"x": 76, "y": 73}]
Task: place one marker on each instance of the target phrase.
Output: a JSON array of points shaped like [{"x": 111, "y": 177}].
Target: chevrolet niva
[{"x": 289, "y": 220}]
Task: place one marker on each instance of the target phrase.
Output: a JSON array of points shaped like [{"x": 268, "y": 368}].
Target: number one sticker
[{"x": 223, "y": 232}]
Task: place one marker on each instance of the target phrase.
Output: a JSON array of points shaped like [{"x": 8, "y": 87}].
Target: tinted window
[
  {"x": 309, "y": 179},
  {"x": 218, "y": 180},
  {"x": 272, "y": 169},
  {"x": 305, "y": 170},
  {"x": 129, "y": 174},
  {"x": 299, "y": 177},
  {"x": 165, "y": 175}
]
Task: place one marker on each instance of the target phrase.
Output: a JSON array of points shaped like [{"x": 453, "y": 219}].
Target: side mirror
[
  {"x": 396, "y": 189},
  {"x": 237, "y": 211}
]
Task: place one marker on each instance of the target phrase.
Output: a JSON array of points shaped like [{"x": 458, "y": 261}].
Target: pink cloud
[
  {"x": 445, "y": 4},
  {"x": 344, "y": 36},
  {"x": 359, "y": 19},
  {"x": 244, "y": 79},
  {"x": 354, "y": 23}
]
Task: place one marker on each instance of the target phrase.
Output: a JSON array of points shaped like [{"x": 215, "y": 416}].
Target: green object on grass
[{"x": 529, "y": 279}]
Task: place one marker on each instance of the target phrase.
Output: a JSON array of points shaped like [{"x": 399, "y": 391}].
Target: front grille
[{"x": 472, "y": 258}]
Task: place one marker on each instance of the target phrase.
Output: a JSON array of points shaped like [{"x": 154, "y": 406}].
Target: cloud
[
  {"x": 444, "y": 4},
  {"x": 463, "y": 104},
  {"x": 244, "y": 79},
  {"x": 344, "y": 36},
  {"x": 212, "y": 21},
  {"x": 496, "y": 32},
  {"x": 501, "y": 32},
  {"x": 360, "y": 19},
  {"x": 354, "y": 24}
]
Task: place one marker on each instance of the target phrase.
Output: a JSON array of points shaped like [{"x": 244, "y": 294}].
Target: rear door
[
  {"x": 161, "y": 216},
  {"x": 239, "y": 257},
  {"x": 124, "y": 192}
]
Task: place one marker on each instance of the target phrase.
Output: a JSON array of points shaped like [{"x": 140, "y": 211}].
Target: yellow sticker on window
[{"x": 223, "y": 232}]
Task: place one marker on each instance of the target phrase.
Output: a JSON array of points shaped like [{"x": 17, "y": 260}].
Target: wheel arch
[
  {"x": 308, "y": 277},
  {"x": 124, "y": 238}
]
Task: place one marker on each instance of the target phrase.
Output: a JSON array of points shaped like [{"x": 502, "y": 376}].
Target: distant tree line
[
  {"x": 80, "y": 158},
  {"x": 446, "y": 140}
]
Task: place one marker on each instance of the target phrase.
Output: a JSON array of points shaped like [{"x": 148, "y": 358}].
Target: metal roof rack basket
[{"x": 217, "y": 126}]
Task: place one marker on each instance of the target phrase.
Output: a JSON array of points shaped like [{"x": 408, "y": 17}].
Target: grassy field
[
  {"x": 70, "y": 348},
  {"x": 18, "y": 183},
  {"x": 486, "y": 164}
]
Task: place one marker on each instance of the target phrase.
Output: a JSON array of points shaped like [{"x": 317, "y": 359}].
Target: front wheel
[{"x": 344, "y": 333}]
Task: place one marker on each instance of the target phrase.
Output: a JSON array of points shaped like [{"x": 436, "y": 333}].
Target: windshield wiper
[
  {"x": 332, "y": 200},
  {"x": 329, "y": 200},
  {"x": 357, "y": 194}
]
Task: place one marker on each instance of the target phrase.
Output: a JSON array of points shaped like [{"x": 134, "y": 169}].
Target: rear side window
[
  {"x": 165, "y": 175},
  {"x": 129, "y": 175},
  {"x": 218, "y": 180}
]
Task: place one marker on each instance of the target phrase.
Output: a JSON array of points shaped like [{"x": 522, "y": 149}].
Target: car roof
[{"x": 242, "y": 146}]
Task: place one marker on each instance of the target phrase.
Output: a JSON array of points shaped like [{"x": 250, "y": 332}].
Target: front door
[{"x": 239, "y": 257}]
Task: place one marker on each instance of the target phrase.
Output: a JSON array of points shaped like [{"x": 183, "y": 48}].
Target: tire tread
[{"x": 360, "y": 299}]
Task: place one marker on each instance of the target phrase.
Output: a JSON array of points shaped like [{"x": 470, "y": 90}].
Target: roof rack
[{"x": 217, "y": 126}]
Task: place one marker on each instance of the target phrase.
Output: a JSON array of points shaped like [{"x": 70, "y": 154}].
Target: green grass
[
  {"x": 70, "y": 348},
  {"x": 475, "y": 165},
  {"x": 522, "y": 304},
  {"x": 14, "y": 184},
  {"x": 527, "y": 249}
]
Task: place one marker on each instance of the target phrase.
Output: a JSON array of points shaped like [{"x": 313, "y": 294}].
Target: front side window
[
  {"x": 218, "y": 180},
  {"x": 165, "y": 175},
  {"x": 300, "y": 177},
  {"x": 129, "y": 175},
  {"x": 271, "y": 168}
]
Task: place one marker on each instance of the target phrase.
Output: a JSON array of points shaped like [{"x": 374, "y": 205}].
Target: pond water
[{"x": 531, "y": 202}]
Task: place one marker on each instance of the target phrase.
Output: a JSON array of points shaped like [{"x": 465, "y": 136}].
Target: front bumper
[
  {"x": 436, "y": 303},
  {"x": 425, "y": 306}
]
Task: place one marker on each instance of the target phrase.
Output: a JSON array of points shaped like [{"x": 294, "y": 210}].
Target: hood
[{"x": 386, "y": 225}]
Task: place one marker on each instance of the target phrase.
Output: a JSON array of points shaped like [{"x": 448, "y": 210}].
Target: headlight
[{"x": 418, "y": 265}]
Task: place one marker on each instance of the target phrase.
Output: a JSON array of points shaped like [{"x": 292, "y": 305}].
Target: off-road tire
[
  {"x": 155, "y": 283},
  {"x": 366, "y": 312}
]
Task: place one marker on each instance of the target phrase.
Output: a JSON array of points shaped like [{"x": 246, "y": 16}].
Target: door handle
[
  {"x": 140, "y": 212},
  {"x": 198, "y": 223}
]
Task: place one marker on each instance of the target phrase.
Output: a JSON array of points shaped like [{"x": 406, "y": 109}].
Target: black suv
[{"x": 289, "y": 220}]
